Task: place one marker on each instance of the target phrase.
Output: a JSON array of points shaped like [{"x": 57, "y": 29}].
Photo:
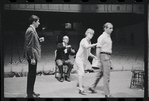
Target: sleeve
[
  {"x": 84, "y": 43},
  {"x": 30, "y": 43},
  {"x": 100, "y": 41},
  {"x": 60, "y": 46},
  {"x": 73, "y": 53}
]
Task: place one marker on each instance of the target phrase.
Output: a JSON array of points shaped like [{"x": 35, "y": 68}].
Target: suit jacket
[
  {"x": 60, "y": 52},
  {"x": 32, "y": 47}
]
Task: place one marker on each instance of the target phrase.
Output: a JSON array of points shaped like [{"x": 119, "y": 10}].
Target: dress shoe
[
  {"x": 67, "y": 78},
  {"x": 78, "y": 85},
  {"x": 35, "y": 94},
  {"x": 82, "y": 92},
  {"x": 108, "y": 96},
  {"x": 61, "y": 79},
  {"x": 90, "y": 89},
  {"x": 32, "y": 96},
  {"x": 111, "y": 68}
]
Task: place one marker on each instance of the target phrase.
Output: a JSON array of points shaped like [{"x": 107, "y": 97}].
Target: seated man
[{"x": 62, "y": 58}]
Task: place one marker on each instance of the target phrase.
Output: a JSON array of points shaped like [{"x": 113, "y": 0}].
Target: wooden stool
[{"x": 137, "y": 78}]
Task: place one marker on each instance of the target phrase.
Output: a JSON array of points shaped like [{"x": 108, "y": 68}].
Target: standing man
[
  {"x": 32, "y": 52},
  {"x": 103, "y": 53},
  {"x": 62, "y": 58},
  {"x": 82, "y": 55}
]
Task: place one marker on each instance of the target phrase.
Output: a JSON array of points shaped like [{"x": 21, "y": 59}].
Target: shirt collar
[
  {"x": 33, "y": 27},
  {"x": 106, "y": 34},
  {"x": 34, "y": 30}
]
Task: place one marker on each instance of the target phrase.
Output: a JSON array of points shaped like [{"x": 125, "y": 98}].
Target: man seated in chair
[{"x": 62, "y": 58}]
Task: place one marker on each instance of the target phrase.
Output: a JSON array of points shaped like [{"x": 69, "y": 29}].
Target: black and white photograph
[
  {"x": 74, "y": 50},
  {"x": 148, "y": 49}
]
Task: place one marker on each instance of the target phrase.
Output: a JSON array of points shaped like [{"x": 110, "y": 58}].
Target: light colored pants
[{"x": 104, "y": 71}]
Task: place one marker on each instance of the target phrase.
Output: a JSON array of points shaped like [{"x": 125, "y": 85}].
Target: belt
[{"x": 105, "y": 53}]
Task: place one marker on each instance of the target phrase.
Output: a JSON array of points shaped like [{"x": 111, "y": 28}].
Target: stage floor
[{"x": 49, "y": 87}]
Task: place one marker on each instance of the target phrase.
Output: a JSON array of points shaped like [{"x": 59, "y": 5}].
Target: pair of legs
[
  {"x": 60, "y": 64},
  {"x": 80, "y": 69},
  {"x": 104, "y": 72},
  {"x": 31, "y": 78}
]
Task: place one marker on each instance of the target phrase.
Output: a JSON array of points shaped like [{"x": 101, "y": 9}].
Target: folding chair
[{"x": 137, "y": 78}]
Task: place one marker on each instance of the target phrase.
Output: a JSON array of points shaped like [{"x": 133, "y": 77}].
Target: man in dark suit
[
  {"x": 32, "y": 52},
  {"x": 62, "y": 58}
]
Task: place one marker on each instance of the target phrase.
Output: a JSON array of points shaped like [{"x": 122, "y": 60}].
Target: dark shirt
[{"x": 60, "y": 54}]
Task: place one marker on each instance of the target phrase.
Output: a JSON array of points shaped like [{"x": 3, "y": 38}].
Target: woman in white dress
[{"x": 82, "y": 56}]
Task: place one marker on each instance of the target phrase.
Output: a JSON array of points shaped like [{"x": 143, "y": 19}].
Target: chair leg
[
  {"x": 142, "y": 80},
  {"x": 132, "y": 80}
]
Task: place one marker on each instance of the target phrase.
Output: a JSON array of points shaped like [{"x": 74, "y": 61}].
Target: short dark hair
[{"x": 33, "y": 18}]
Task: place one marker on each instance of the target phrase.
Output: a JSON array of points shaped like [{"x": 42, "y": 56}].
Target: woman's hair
[
  {"x": 89, "y": 30},
  {"x": 33, "y": 18}
]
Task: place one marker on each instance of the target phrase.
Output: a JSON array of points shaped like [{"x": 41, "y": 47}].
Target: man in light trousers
[{"x": 103, "y": 53}]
